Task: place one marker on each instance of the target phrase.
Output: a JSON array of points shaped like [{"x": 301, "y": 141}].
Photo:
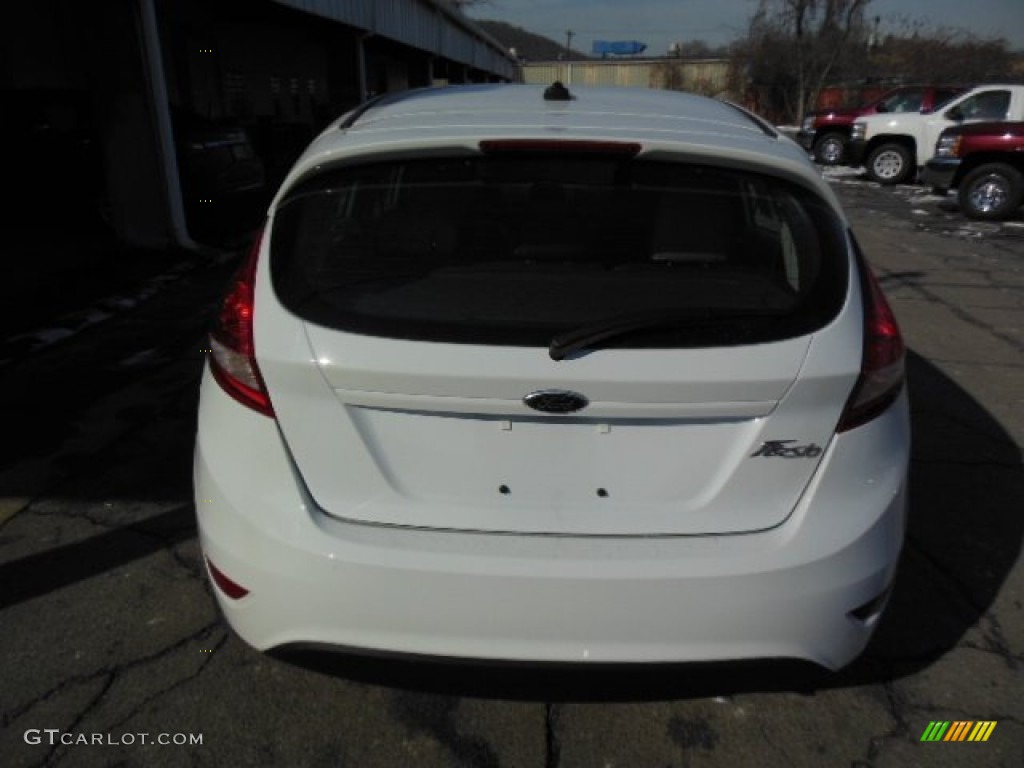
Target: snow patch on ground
[{"x": 840, "y": 172}]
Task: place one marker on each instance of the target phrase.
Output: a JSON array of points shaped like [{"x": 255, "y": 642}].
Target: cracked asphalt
[{"x": 110, "y": 631}]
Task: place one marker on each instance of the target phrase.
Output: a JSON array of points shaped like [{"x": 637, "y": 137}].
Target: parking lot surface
[{"x": 115, "y": 653}]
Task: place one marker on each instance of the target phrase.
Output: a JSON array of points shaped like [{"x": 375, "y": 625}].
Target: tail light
[
  {"x": 230, "y": 588},
  {"x": 233, "y": 358},
  {"x": 882, "y": 371}
]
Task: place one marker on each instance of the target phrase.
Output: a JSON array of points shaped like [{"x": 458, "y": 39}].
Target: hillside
[{"x": 528, "y": 45}]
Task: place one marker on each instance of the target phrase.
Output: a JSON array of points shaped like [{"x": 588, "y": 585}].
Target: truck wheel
[
  {"x": 830, "y": 149},
  {"x": 890, "y": 164},
  {"x": 991, "y": 191}
]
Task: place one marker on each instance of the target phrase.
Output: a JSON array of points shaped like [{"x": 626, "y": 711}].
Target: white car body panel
[
  {"x": 620, "y": 114},
  {"x": 785, "y": 592},
  {"x": 403, "y": 498}
]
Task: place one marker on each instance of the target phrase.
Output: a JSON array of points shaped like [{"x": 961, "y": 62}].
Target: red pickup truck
[
  {"x": 826, "y": 132},
  {"x": 984, "y": 162}
]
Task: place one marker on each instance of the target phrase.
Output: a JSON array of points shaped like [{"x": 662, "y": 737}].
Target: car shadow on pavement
[
  {"x": 964, "y": 534},
  {"x": 62, "y": 566}
]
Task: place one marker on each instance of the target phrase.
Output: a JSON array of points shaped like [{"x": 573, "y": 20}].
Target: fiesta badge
[{"x": 556, "y": 401}]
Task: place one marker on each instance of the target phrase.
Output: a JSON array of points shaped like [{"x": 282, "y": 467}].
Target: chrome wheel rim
[
  {"x": 989, "y": 194},
  {"x": 831, "y": 152},
  {"x": 888, "y": 165}
]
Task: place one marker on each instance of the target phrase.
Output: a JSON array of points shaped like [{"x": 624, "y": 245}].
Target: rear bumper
[
  {"x": 787, "y": 592},
  {"x": 940, "y": 172}
]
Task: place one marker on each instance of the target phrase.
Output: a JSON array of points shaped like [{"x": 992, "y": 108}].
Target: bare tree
[
  {"x": 918, "y": 52},
  {"x": 794, "y": 46},
  {"x": 708, "y": 77}
]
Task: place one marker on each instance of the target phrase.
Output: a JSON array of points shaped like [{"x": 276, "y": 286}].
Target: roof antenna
[{"x": 557, "y": 92}]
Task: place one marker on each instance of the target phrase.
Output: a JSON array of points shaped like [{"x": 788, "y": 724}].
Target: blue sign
[{"x": 617, "y": 48}]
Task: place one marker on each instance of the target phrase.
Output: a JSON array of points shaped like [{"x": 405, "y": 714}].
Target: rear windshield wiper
[{"x": 594, "y": 334}]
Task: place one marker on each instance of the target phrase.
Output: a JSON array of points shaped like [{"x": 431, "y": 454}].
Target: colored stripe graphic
[
  {"x": 982, "y": 731},
  {"x": 958, "y": 730},
  {"x": 934, "y": 731}
]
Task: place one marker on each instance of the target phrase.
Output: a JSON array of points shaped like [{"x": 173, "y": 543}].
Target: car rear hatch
[{"x": 585, "y": 344}]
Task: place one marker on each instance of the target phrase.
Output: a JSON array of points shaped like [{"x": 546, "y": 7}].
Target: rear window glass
[{"x": 513, "y": 248}]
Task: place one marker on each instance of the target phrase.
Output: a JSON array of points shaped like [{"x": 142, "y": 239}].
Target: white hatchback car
[{"x": 523, "y": 374}]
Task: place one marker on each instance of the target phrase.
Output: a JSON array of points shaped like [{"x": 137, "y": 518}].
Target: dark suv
[{"x": 826, "y": 132}]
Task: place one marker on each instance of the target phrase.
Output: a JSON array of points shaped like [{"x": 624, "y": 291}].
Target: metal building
[
  {"x": 434, "y": 26},
  {"x": 111, "y": 84},
  {"x": 710, "y": 77}
]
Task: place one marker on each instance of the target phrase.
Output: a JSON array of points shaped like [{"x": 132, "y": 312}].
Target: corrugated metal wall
[
  {"x": 425, "y": 24},
  {"x": 707, "y": 76},
  {"x": 586, "y": 73}
]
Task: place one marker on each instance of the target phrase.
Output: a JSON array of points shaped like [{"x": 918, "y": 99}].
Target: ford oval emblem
[{"x": 556, "y": 401}]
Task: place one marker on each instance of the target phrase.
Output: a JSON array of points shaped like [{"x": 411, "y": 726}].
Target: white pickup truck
[{"x": 892, "y": 147}]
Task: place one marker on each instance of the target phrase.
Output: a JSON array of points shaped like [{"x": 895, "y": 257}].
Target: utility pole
[{"x": 569, "y": 34}]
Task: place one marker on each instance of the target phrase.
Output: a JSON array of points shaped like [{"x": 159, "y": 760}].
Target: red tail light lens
[
  {"x": 233, "y": 361},
  {"x": 226, "y": 585},
  {"x": 882, "y": 368}
]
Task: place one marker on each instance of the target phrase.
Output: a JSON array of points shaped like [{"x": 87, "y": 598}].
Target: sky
[{"x": 660, "y": 22}]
